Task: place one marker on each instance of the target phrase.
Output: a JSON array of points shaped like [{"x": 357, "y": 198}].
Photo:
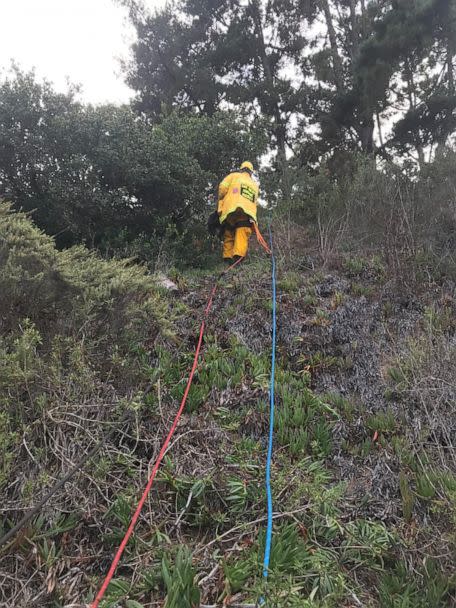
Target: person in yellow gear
[{"x": 237, "y": 210}]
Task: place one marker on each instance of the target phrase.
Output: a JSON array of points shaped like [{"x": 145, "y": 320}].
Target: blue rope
[{"x": 267, "y": 549}]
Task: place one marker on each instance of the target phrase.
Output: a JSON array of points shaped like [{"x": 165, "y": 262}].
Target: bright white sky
[{"x": 76, "y": 40}]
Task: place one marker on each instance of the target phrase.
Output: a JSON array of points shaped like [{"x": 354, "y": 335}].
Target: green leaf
[{"x": 119, "y": 586}]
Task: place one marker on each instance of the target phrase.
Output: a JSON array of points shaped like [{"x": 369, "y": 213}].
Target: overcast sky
[{"x": 79, "y": 40}]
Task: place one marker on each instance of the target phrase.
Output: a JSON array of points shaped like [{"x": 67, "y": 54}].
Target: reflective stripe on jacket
[{"x": 238, "y": 191}]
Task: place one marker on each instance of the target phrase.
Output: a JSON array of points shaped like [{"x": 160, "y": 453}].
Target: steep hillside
[{"x": 364, "y": 473}]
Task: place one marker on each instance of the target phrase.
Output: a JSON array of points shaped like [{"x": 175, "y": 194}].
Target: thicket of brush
[
  {"x": 405, "y": 216},
  {"x": 75, "y": 332},
  {"x": 89, "y": 344}
]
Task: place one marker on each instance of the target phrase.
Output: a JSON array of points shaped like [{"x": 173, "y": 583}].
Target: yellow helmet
[{"x": 247, "y": 165}]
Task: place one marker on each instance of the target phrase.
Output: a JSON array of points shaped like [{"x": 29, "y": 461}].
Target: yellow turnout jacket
[{"x": 238, "y": 191}]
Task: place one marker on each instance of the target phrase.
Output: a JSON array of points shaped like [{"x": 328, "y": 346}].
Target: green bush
[
  {"x": 73, "y": 327},
  {"x": 67, "y": 289}
]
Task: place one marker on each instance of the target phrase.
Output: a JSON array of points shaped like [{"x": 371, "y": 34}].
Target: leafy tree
[
  {"x": 415, "y": 42},
  {"x": 33, "y": 135},
  {"x": 346, "y": 100},
  {"x": 374, "y": 62},
  {"x": 204, "y": 54},
  {"x": 340, "y": 67},
  {"x": 90, "y": 173}
]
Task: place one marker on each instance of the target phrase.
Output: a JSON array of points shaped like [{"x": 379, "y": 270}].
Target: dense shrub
[
  {"x": 63, "y": 290},
  {"x": 72, "y": 328},
  {"x": 105, "y": 175},
  {"x": 380, "y": 207}
]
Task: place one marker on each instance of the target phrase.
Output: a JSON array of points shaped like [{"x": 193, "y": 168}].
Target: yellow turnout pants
[
  {"x": 236, "y": 238},
  {"x": 236, "y": 242}
]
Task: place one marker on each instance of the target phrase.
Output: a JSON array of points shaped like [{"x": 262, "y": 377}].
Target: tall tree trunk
[
  {"x": 279, "y": 128},
  {"x": 379, "y": 128},
  {"x": 337, "y": 62},
  {"x": 363, "y": 19},
  {"x": 450, "y": 33},
  {"x": 367, "y": 112},
  {"x": 366, "y": 132},
  {"x": 450, "y": 77},
  {"x": 354, "y": 34},
  {"x": 450, "y": 69},
  {"x": 411, "y": 94}
]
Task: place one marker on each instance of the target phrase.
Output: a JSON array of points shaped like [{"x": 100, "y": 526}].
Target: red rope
[
  {"x": 260, "y": 238},
  {"x": 165, "y": 446}
]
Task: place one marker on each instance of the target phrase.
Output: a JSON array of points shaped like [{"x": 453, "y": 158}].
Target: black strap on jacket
[
  {"x": 240, "y": 224},
  {"x": 213, "y": 223}
]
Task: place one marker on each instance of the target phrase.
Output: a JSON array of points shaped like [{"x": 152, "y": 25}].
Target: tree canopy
[
  {"x": 289, "y": 84},
  {"x": 89, "y": 172}
]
